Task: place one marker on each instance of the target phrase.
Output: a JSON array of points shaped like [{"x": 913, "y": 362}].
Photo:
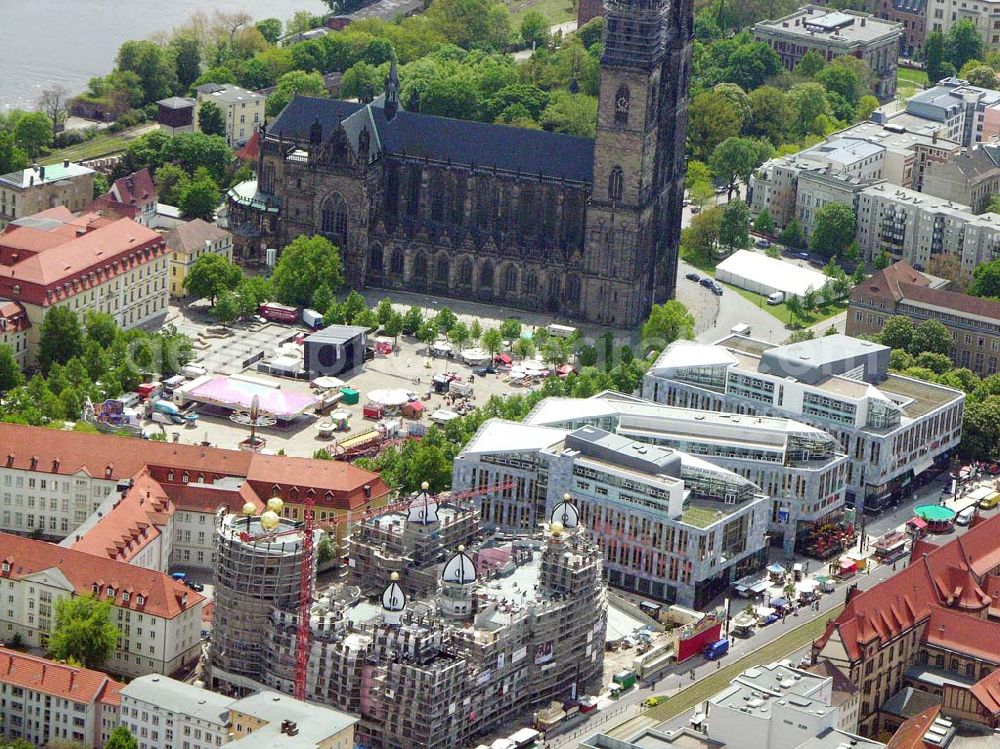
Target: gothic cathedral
[{"x": 585, "y": 229}]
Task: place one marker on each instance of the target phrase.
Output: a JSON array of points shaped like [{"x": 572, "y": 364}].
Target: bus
[{"x": 625, "y": 678}]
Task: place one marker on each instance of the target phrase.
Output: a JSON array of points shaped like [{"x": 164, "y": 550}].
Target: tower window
[
  {"x": 622, "y": 101},
  {"x": 333, "y": 219},
  {"x": 615, "y": 180}
]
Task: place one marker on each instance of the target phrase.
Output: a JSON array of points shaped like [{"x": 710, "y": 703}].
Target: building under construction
[
  {"x": 258, "y": 568},
  {"x": 508, "y": 625},
  {"x": 393, "y": 542}
]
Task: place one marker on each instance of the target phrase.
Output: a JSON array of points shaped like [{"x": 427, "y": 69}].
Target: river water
[{"x": 69, "y": 41}]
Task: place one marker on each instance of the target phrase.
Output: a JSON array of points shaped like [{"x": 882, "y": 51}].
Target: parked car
[
  {"x": 763, "y": 243},
  {"x": 769, "y": 619},
  {"x": 692, "y": 277},
  {"x": 802, "y": 255},
  {"x": 707, "y": 282},
  {"x": 483, "y": 371},
  {"x": 196, "y": 587},
  {"x": 716, "y": 289}
]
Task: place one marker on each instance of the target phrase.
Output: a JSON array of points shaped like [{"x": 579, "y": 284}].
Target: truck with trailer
[{"x": 278, "y": 312}]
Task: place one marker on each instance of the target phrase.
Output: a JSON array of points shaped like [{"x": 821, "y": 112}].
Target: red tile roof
[
  {"x": 911, "y": 734},
  {"x": 336, "y": 484},
  {"x": 208, "y": 498},
  {"x": 13, "y": 317},
  {"x": 161, "y": 595},
  {"x": 944, "y": 586},
  {"x": 987, "y": 691},
  {"x": 54, "y": 679},
  {"x": 111, "y": 694},
  {"x": 135, "y": 189},
  {"x": 886, "y": 282},
  {"x": 132, "y": 525}
]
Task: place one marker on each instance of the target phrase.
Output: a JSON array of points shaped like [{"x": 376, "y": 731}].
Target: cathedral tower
[{"x": 633, "y": 224}]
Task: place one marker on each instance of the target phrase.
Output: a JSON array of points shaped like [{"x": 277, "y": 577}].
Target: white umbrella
[
  {"x": 475, "y": 354},
  {"x": 392, "y": 397},
  {"x": 442, "y": 347},
  {"x": 326, "y": 382},
  {"x": 533, "y": 365}
]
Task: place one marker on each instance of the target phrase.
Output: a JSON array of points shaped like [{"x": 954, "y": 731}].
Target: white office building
[
  {"x": 892, "y": 428},
  {"x": 163, "y": 713}
]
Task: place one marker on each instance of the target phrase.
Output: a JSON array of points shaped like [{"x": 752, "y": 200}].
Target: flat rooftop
[
  {"x": 923, "y": 397},
  {"x": 846, "y": 27}
]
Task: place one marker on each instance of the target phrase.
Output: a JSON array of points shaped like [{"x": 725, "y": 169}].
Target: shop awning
[
  {"x": 760, "y": 587},
  {"x": 918, "y": 523},
  {"x": 923, "y": 464}
]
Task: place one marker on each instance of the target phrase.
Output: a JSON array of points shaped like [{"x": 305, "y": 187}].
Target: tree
[
  {"x": 121, "y": 738},
  {"x": 534, "y": 29},
  {"x": 445, "y": 319},
  {"x": 811, "y": 103},
  {"x": 210, "y": 275},
  {"x": 882, "y": 260},
  {"x": 306, "y": 263},
  {"x": 150, "y": 62},
  {"x": 427, "y": 332},
  {"x": 735, "y": 159},
  {"x": 383, "y": 311},
  {"x": 83, "y": 631},
  {"x": 897, "y": 333},
  {"x": 753, "y": 63},
  {"x": 53, "y": 102},
  {"x": 412, "y": 321},
  {"x": 475, "y": 330},
  {"x": 186, "y": 52},
  {"x": 362, "y": 81},
  {"x": 393, "y": 326},
  {"x": 734, "y": 228},
  {"x": 794, "y": 305},
  {"x": 809, "y": 300},
  {"x": 666, "y": 323},
  {"x": 811, "y": 63},
  {"x": 492, "y": 341},
  {"x": 932, "y": 336},
  {"x": 170, "y": 183},
  {"x": 324, "y": 550},
  {"x": 772, "y": 114},
  {"x": 573, "y": 114},
  {"x": 459, "y": 334},
  {"x": 982, "y": 75},
  {"x": 60, "y": 338},
  {"x": 866, "y": 105},
  {"x": 253, "y": 291},
  {"x": 33, "y": 132},
  {"x": 986, "y": 280},
  {"x": 211, "y": 120},
  {"x": 525, "y": 349},
  {"x": 270, "y": 29},
  {"x": 791, "y": 235},
  {"x": 290, "y": 84},
  {"x": 712, "y": 118},
  {"x": 699, "y": 239},
  {"x": 190, "y": 151},
  {"x": 763, "y": 224},
  {"x": 963, "y": 43},
  {"x": 841, "y": 80},
  {"x": 12, "y": 157},
  {"x": 200, "y": 198},
  {"x": 510, "y": 329},
  {"x": 10, "y": 372},
  {"x": 835, "y": 228},
  {"x": 934, "y": 55},
  {"x": 226, "y": 308}
]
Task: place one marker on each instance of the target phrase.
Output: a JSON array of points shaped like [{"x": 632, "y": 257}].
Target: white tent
[
  {"x": 390, "y": 398},
  {"x": 765, "y": 275},
  {"x": 475, "y": 355}
]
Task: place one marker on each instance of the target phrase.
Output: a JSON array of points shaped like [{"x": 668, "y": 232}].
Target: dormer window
[
  {"x": 140, "y": 600},
  {"x": 6, "y": 566},
  {"x": 185, "y": 477},
  {"x": 170, "y": 475},
  {"x": 95, "y": 588},
  {"x": 111, "y": 592},
  {"x": 126, "y": 596}
]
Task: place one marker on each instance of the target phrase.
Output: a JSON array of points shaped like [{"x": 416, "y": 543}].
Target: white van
[
  {"x": 560, "y": 331},
  {"x": 740, "y": 329},
  {"x": 965, "y": 516},
  {"x": 776, "y": 298}
]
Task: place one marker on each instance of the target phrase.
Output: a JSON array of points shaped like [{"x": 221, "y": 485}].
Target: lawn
[
  {"x": 555, "y": 11},
  {"x": 102, "y": 145},
  {"x": 709, "y": 685},
  {"x": 908, "y": 82},
  {"x": 781, "y": 311}
]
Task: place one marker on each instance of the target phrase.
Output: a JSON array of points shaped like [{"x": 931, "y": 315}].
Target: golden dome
[
  {"x": 556, "y": 528},
  {"x": 394, "y": 576},
  {"x": 249, "y": 509},
  {"x": 425, "y": 486},
  {"x": 276, "y": 505},
  {"x": 269, "y": 520}
]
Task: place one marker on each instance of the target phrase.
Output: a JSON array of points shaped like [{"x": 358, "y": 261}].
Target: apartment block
[
  {"x": 971, "y": 179},
  {"x": 914, "y": 227},
  {"x": 958, "y": 106},
  {"x": 242, "y": 110},
  {"x": 672, "y": 526},
  {"x": 912, "y": 16},
  {"x": 833, "y": 34},
  {"x": 943, "y": 14},
  {"x": 800, "y": 467},
  {"x": 973, "y": 322},
  {"x": 39, "y": 188},
  {"x": 190, "y": 241},
  {"x": 892, "y": 428},
  {"x": 43, "y": 702},
  {"x": 159, "y": 618},
  {"x": 83, "y": 263},
  {"x": 163, "y": 713},
  {"x": 926, "y": 632}
]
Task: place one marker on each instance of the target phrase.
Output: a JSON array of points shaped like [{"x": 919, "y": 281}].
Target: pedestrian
[{"x": 718, "y": 665}]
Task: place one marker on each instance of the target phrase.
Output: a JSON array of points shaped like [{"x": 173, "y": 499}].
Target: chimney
[
  {"x": 41, "y": 173},
  {"x": 862, "y": 21},
  {"x": 65, "y": 163}
]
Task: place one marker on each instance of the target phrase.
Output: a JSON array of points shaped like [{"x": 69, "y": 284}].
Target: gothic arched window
[
  {"x": 420, "y": 266},
  {"x": 437, "y": 196},
  {"x": 509, "y": 279},
  {"x": 442, "y": 269},
  {"x": 615, "y": 184},
  {"x": 573, "y": 289},
  {"x": 375, "y": 261},
  {"x": 465, "y": 272},
  {"x": 530, "y": 283},
  {"x": 396, "y": 263},
  {"x": 333, "y": 219},
  {"x": 623, "y": 100},
  {"x": 486, "y": 275}
]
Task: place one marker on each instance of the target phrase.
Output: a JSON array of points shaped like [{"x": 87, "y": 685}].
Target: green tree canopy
[
  {"x": 734, "y": 228},
  {"x": 934, "y": 55},
  {"x": 712, "y": 118},
  {"x": 986, "y": 280},
  {"x": 121, "y": 738},
  {"x": 83, "y": 631},
  {"x": 305, "y": 264},
  {"x": 930, "y": 336},
  {"x": 33, "y": 132},
  {"x": 200, "y": 198},
  {"x": 963, "y": 43},
  {"x": 60, "y": 338},
  {"x": 210, "y": 275},
  {"x": 10, "y": 372},
  {"x": 836, "y": 225},
  {"x": 290, "y": 84},
  {"x": 534, "y": 28},
  {"x": 270, "y": 29},
  {"x": 152, "y": 64},
  {"x": 735, "y": 159},
  {"x": 666, "y": 323},
  {"x": 211, "y": 120},
  {"x": 763, "y": 223},
  {"x": 792, "y": 235}
]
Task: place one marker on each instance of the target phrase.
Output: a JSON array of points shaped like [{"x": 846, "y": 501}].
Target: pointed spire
[{"x": 392, "y": 90}]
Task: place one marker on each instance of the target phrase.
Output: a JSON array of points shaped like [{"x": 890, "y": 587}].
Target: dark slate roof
[
  {"x": 909, "y": 6},
  {"x": 530, "y": 152}
]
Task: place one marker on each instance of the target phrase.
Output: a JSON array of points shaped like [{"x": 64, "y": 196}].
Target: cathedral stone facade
[{"x": 587, "y": 229}]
